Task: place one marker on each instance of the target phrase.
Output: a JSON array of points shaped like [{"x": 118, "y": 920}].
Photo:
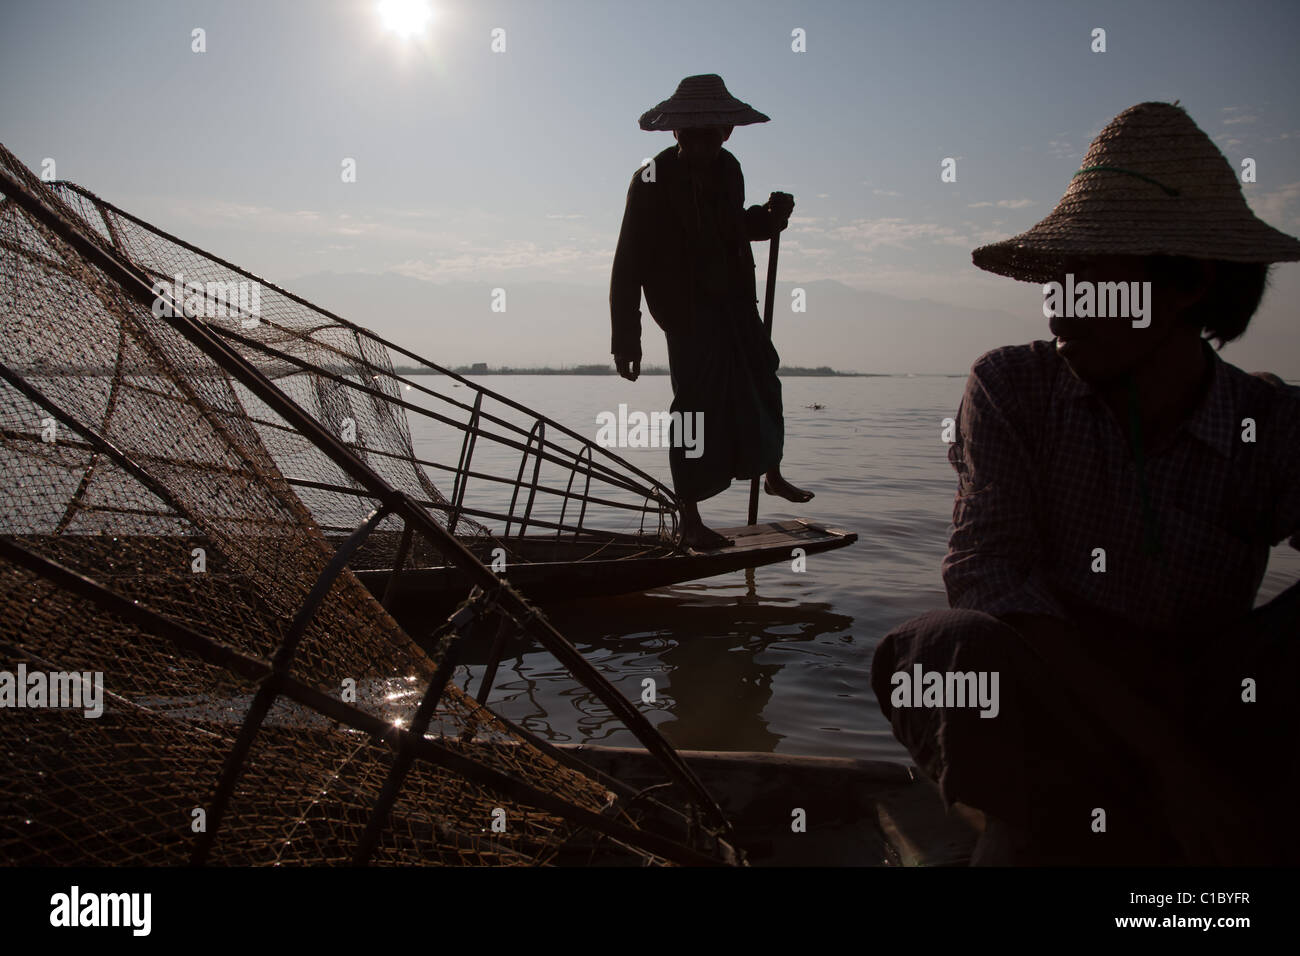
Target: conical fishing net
[
  {"x": 181, "y": 511},
  {"x": 508, "y": 469}
]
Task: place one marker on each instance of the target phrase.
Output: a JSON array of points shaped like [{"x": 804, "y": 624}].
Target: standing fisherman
[{"x": 685, "y": 239}]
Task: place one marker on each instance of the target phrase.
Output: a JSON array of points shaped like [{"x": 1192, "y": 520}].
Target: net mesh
[
  {"x": 149, "y": 495},
  {"x": 509, "y": 469}
]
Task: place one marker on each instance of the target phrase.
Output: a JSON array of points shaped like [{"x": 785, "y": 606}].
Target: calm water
[{"x": 779, "y": 661}]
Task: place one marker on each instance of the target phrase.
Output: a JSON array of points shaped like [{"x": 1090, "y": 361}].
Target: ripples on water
[{"x": 772, "y": 660}]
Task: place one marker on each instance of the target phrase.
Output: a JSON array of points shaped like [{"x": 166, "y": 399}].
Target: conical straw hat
[
  {"x": 1152, "y": 183},
  {"x": 700, "y": 100}
]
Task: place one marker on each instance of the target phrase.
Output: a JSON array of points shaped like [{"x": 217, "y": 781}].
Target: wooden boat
[
  {"x": 558, "y": 569},
  {"x": 855, "y": 812}
]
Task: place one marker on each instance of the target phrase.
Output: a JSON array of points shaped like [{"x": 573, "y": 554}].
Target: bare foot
[
  {"x": 777, "y": 485},
  {"x": 697, "y": 537}
]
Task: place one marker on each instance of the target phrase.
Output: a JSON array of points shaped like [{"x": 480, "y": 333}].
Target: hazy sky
[{"x": 511, "y": 167}]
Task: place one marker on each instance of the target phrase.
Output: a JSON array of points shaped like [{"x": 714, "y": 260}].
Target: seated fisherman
[{"x": 1119, "y": 490}]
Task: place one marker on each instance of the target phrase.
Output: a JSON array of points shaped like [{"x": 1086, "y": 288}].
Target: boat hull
[
  {"x": 855, "y": 812},
  {"x": 420, "y": 596}
]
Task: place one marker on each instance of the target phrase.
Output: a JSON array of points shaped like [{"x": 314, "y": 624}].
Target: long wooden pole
[{"x": 768, "y": 294}]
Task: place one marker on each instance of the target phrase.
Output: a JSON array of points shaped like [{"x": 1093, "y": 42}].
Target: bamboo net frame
[
  {"x": 564, "y": 484},
  {"x": 260, "y": 705}
]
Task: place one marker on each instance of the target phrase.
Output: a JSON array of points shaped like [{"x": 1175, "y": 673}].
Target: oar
[{"x": 767, "y": 327}]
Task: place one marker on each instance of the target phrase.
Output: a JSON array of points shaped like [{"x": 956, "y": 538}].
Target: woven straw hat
[
  {"x": 1152, "y": 183},
  {"x": 700, "y": 100}
]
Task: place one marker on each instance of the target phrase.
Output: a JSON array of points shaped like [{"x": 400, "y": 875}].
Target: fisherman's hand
[
  {"x": 628, "y": 366},
  {"x": 780, "y": 205}
]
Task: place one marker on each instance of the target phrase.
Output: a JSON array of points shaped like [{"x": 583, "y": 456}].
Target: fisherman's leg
[
  {"x": 766, "y": 415},
  {"x": 1243, "y": 713},
  {"x": 1033, "y": 771},
  {"x": 691, "y": 486},
  {"x": 977, "y": 761},
  {"x": 695, "y": 535},
  {"x": 695, "y": 478},
  {"x": 775, "y": 484},
  {"x": 1095, "y": 797}
]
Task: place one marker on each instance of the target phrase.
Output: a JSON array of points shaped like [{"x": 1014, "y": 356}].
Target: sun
[{"x": 405, "y": 18}]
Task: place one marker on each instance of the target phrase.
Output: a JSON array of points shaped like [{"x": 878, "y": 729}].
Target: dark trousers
[
  {"x": 1049, "y": 760},
  {"x": 723, "y": 369}
]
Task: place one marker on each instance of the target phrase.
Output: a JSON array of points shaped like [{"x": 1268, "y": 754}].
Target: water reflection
[{"x": 714, "y": 652}]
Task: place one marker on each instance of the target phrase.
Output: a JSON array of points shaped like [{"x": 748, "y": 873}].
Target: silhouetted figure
[
  {"x": 685, "y": 238},
  {"x": 1119, "y": 490}
]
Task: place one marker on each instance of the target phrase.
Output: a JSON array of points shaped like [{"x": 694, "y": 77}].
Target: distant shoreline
[{"x": 791, "y": 370}]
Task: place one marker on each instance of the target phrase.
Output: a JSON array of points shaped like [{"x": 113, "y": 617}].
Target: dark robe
[{"x": 687, "y": 245}]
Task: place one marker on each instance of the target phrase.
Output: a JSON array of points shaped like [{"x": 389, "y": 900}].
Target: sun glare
[{"x": 405, "y": 18}]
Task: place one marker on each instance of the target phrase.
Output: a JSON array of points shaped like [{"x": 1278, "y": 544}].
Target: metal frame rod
[
  {"x": 274, "y": 682},
  {"x": 445, "y": 641},
  {"x": 399, "y": 562},
  {"x": 608, "y": 474},
  {"x": 462, "y": 465}
]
